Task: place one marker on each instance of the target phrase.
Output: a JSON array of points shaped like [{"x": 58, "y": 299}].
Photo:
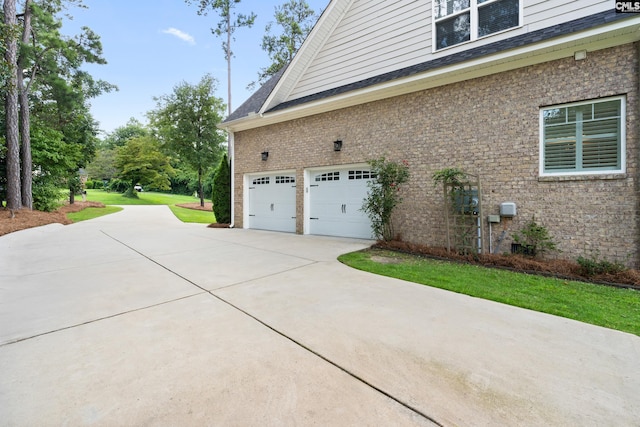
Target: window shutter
[
  {"x": 600, "y": 144},
  {"x": 560, "y": 147}
]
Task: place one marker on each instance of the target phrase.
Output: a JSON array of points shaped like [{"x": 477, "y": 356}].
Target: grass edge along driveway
[
  {"x": 152, "y": 198},
  {"x": 600, "y": 305}
]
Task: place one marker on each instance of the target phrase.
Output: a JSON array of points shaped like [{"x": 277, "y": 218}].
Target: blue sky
[{"x": 151, "y": 47}]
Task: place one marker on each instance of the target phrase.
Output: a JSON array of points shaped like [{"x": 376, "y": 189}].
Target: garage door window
[
  {"x": 260, "y": 181},
  {"x": 364, "y": 174},
  {"x": 285, "y": 179},
  {"x": 329, "y": 176}
]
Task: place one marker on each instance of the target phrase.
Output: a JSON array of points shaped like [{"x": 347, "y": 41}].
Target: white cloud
[{"x": 180, "y": 34}]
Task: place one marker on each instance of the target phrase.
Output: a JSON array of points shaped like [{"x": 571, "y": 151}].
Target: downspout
[
  {"x": 637, "y": 177},
  {"x": 233, "y": 178}
]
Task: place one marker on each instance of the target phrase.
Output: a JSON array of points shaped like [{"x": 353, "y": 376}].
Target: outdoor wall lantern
[
  {"x": 265, "y": 155},
  {"x": 337, "y": 145}
]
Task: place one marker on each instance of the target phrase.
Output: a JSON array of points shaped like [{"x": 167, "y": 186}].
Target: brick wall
[{"x": 487, "y": 126}]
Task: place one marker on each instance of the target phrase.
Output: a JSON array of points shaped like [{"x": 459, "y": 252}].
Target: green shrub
[
  {"x": 221, "y": 197},
  {"x": 534, "y": 239},
  {"x": 184, "y": 183},
  {"x": 594, "y": 266},
  {"x": 452, "y": 176},
  {"x": 384, "y": 195},
  {"x": 119, "y": 185},
  {"x": 46, "y": 195}
]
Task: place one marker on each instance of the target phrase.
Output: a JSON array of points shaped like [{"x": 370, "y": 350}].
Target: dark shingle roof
[{"x": 257, "y": 100}]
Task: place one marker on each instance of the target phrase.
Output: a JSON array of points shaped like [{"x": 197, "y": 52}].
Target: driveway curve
[{"x": 138, "y": 319}]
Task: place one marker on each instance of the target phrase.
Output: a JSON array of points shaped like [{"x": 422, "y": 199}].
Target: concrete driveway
[{"x": 138, "y": 319}]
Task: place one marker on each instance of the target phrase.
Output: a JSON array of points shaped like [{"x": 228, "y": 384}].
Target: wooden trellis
[{"x": 463, "y": 214}]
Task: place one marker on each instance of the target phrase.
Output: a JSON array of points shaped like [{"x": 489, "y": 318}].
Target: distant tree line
[{"x": 49, "y": 137}]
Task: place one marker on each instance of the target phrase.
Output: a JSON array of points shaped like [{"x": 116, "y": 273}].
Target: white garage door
[
  {"x": 272, "y": 202},
  {"x": 335, "y": 200}
]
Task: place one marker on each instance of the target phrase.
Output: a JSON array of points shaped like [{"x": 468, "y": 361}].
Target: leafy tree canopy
[
  {"x": 140, "y": 160},
  {"x": 122, "y": 134},
  {"x": 186, "y": 123},
  {"x": 295, "y": 19},
  {"x": 103, "y": 167}
]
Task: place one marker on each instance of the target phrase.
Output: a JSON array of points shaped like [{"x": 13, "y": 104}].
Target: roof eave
[{"x": 610, "y": 35}]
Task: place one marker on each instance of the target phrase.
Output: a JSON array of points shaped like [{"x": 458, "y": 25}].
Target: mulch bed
[
  {"x": 564, "y": 269},
  {"x": 27, "y": 218},
  {"x": 216, "y": 225},
  {"x": 208, "y": 206}
]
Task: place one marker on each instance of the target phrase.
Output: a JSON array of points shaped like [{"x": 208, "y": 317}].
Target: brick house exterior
[{"x": 490, "y": 126}]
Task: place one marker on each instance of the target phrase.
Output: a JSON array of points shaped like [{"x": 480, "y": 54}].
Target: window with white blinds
[{"x": 583, "y": 138}]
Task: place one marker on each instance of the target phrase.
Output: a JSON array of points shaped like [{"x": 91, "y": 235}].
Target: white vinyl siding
[
  {"x": 380, "y": 36},
  {"x": 583, "y": 137},
  {"x": 373, "y": 38},
  {"x": 544, "y": 13}
]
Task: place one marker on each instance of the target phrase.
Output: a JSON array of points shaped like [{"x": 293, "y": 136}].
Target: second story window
[{"x": 458, "y": 21}]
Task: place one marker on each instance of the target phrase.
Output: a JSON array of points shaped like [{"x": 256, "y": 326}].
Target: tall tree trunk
[
  {"x": 25, "y": 117},
  {"x": 200, "y": 191},
  {"x": 14, "y": 198},
  {"x": 228, "y": 53}
]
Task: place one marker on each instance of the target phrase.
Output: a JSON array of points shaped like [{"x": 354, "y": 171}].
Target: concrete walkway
[{"x": 138, "y": 319}]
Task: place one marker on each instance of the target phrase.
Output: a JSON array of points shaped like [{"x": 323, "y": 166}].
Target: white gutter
[{"x": 231, "y": 149}]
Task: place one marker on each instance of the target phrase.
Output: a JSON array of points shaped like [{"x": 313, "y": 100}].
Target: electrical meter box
[
  {"x": 466, "y": 201},
  {"x": 508, "y": 209}
]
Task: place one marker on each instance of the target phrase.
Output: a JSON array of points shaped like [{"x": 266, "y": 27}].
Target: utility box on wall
[
  {"x": 508, "y": 209},
  {"x": 494, "y": 219},
  {"x": 466, "y": 201}
]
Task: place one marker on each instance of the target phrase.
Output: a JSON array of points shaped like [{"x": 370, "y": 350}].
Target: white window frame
[
  {"x": 474, "y": 19},
  {"x": 623, "y": 139}
]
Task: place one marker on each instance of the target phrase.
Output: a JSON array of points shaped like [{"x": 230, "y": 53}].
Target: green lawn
[
  {"x": 596, "y": 304},
  {"x": 193, "y": 215},
  {"x": 144, "y": 198},
  {"x": 90, "y": 213},
  {"x": 151, "y": 198}
]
